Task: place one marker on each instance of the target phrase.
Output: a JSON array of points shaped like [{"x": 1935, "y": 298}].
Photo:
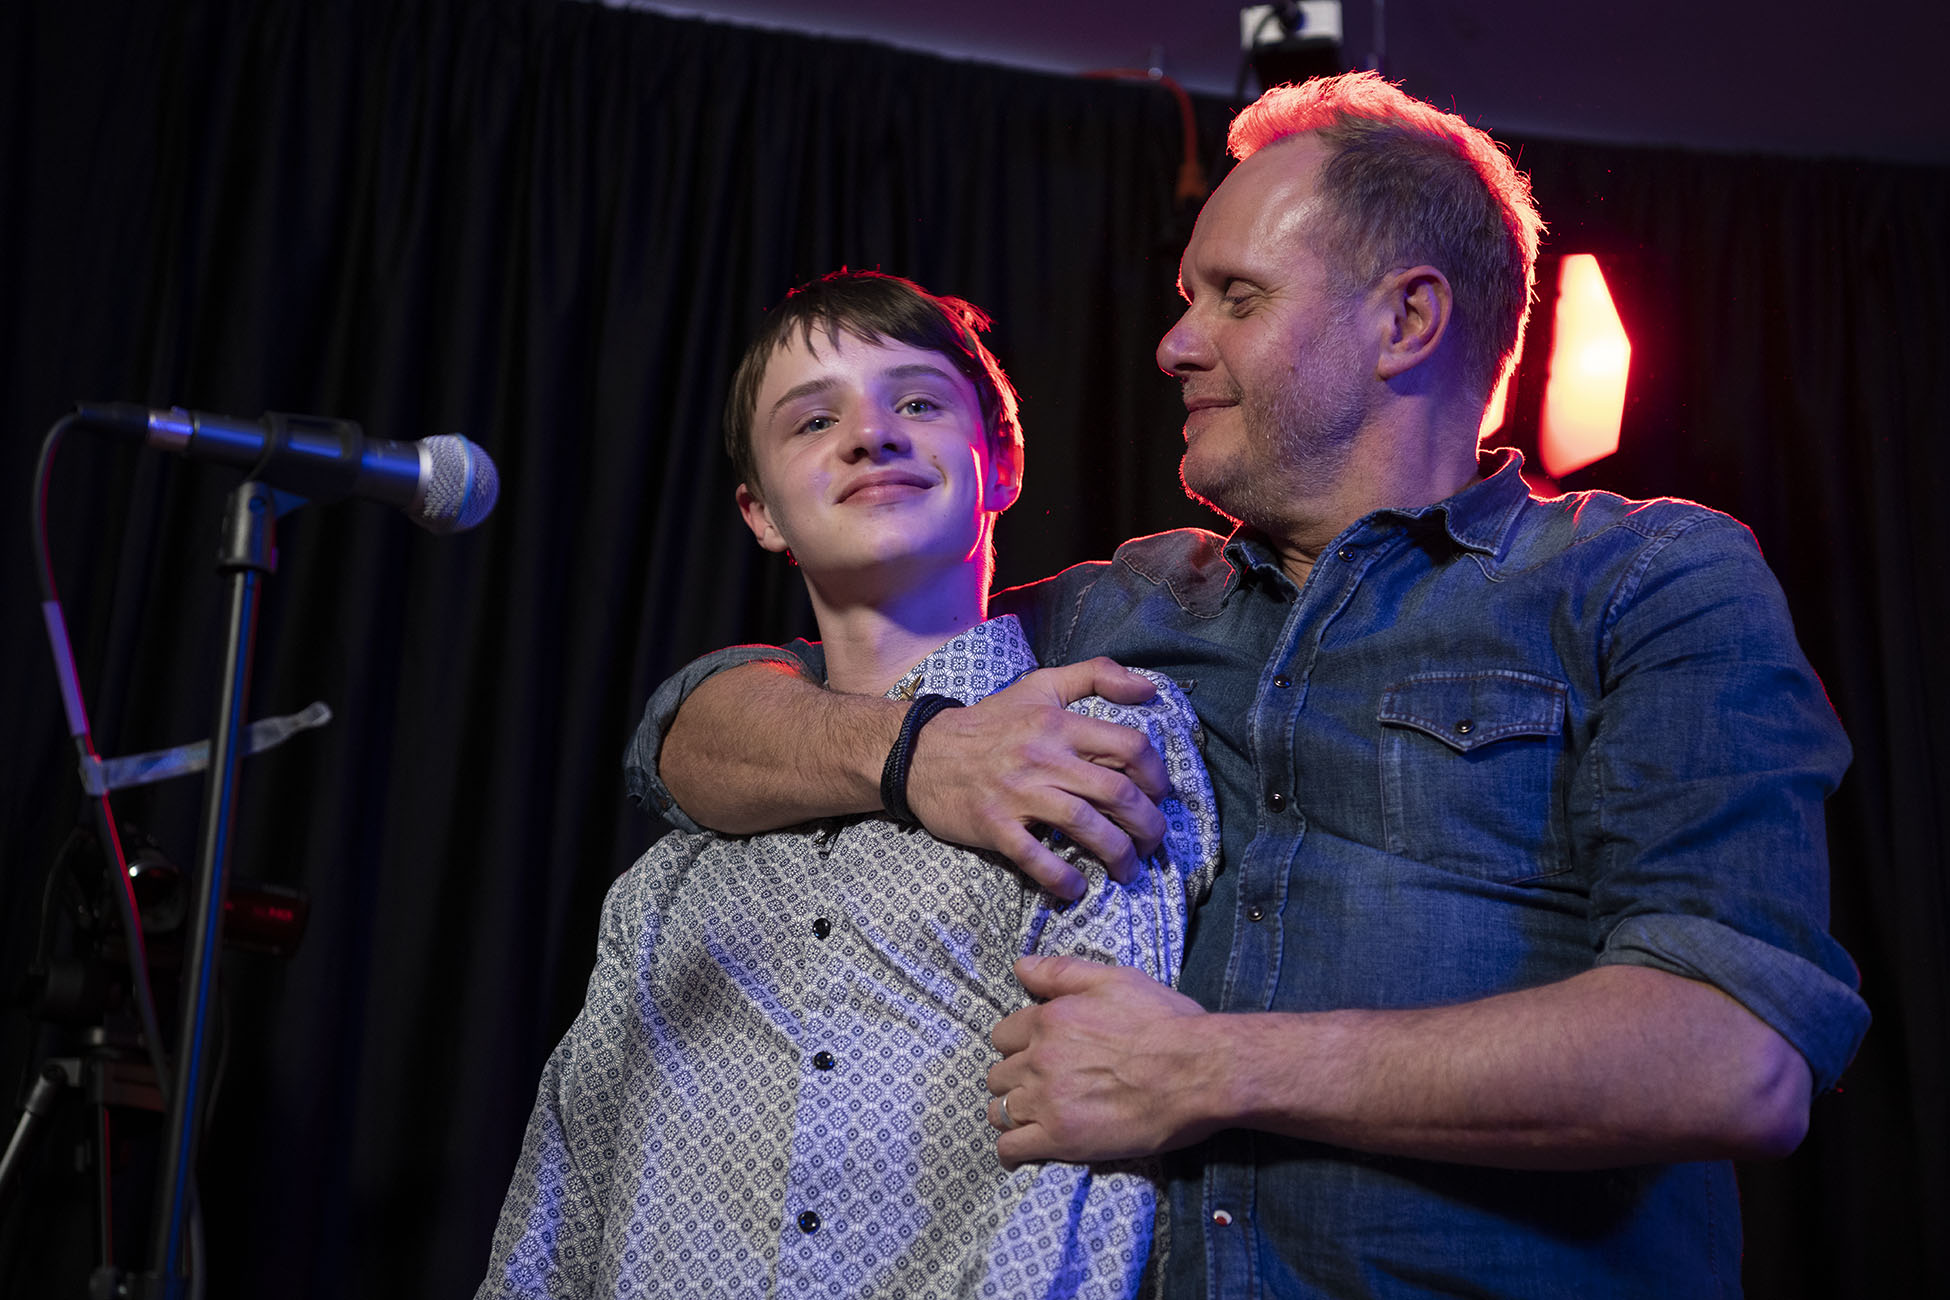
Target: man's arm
[
  {"x": 759, "y": 747},
  {"x": 1716, "y": 1002},
  {"x": 1618, "y": 1065}
]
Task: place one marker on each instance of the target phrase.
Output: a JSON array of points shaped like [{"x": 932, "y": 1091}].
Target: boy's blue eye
[
  {"x": 919, "y": 406},
  {"x": 817, "y": 424}
]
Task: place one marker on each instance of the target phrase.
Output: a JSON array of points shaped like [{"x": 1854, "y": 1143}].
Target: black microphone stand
[
  {"x": 446, "y": 484},
  {"x": 247, "y": 554}
]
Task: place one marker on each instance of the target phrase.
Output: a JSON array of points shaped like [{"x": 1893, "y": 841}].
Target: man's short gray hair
[{"x": 1407, "y": 184}]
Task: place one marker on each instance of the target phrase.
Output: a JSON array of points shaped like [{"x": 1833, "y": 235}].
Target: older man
[{"x": 1520, "y": 934}]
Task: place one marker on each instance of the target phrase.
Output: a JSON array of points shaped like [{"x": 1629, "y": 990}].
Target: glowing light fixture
[{"x": 1584, "y": 397}]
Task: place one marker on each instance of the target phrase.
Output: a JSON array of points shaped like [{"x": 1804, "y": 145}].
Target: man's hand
[
  {"x": 987, "y": 774},
  {"x": 1619, "y": 1065},
  {"x": 1107, "y": 1068}
]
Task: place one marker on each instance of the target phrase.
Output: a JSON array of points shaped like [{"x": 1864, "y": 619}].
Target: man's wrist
[
  {"x": 1255, "y": 1070},
  {"x": 900, "y": 758}
]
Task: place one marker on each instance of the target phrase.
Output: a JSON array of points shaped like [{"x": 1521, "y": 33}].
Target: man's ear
[
  {"x": 1418, "y": 305},
  {"x": 759, "y": 519},
  {"x": 1005, "y": 475}
]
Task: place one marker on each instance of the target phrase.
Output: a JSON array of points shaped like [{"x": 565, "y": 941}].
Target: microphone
[{"x": 444, "y": 484}]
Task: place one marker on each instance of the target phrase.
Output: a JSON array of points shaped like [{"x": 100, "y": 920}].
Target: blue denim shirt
[{"x": 1489, "y": 744}]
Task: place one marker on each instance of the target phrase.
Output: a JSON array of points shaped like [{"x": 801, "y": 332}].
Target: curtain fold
[
  {"x": 1781, "y": 373},
  {"x": 552, "y": 226}
]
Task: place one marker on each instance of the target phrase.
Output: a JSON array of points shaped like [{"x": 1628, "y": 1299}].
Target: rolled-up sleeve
[
  {"x": 1701, "y": 796},
  {"x": 1812, "y": 1009}
]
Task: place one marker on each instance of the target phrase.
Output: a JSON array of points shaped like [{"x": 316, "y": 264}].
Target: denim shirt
[{"x": 1487, "y": 745}]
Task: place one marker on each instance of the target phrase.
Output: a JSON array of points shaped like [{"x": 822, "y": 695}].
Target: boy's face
[{"x": 874, "y": 468}]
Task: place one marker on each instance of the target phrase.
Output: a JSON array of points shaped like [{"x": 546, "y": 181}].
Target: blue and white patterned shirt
[{"x": 777, "y": 1083}]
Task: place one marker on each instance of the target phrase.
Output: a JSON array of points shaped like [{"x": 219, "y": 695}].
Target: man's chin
[{"x": 1212, "y": 491}]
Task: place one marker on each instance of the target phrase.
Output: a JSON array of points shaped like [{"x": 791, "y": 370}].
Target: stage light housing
[{"x": 1292, "y": 41}]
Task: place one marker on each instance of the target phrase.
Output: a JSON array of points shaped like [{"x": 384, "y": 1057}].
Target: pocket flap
[{"x": 1466, "y": 711}]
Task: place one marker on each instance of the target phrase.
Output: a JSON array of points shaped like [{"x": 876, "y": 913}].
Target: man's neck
[
  {"x": 1381, "y": 472},
  {"x": 869, "y": 646}
]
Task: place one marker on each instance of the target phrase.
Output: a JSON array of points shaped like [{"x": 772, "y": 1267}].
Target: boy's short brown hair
[{"x": 872, "y": 307}]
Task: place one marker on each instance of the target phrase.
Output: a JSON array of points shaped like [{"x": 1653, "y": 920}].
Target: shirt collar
[
  {"x": 1483, "y": 516},
  {"x": 1480, "y": 518},
  {"x": 971, "y": 666}
]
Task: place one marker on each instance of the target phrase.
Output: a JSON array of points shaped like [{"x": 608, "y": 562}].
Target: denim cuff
[
  {"x": 640, "y": 778},
  {"x": 1819, "y": 1014}
]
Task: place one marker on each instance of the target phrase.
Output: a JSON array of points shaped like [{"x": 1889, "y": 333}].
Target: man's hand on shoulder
[{"x": 990, "y": 775}]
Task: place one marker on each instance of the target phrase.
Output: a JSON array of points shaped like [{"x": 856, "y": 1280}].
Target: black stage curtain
[{"x": 552, "y": 226}]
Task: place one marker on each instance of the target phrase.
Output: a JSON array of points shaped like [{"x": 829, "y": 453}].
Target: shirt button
[
  {"x": 821, "y": 928},
  {"x": 1276, "y": 800},
  {"x": 1282, "y": 682},
  {"x": 1346, "y": 552},
  {"x": 1254, "y": 914},
  {"x": 1220, "y": 1217},
  {"x": 823, "y": 1061},
  {"x": 1466, "y": 726},
  {"x": 808, "y": 1222}
]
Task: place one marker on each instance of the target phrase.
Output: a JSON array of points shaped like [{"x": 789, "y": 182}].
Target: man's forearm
[
  {"x": 1621, "y": 1065},
  {"x": 758, "y": 748}
]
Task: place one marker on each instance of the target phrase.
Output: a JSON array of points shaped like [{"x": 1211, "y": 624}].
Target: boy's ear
[
  {"x": 1005, "y": 476},
  {"x": 758, "y": 519}
]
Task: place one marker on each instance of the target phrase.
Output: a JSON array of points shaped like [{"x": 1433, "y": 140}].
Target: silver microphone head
[{"x": 458, "y": 484}]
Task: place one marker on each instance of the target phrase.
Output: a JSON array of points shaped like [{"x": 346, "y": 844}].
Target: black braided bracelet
[{"x": 893, "y": 775}]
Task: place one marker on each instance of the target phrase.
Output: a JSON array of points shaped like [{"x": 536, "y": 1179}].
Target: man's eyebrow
[{"x": 1223, "y": 278}]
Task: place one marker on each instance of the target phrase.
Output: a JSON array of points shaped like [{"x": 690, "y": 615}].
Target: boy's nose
[{"x": 877, "y": 436}]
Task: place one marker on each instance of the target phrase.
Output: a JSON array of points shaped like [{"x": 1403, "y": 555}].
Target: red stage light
[{"x": 1584, "y": 397}]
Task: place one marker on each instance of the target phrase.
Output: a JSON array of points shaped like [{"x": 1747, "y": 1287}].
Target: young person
[{"x": 776, "y": 1085}]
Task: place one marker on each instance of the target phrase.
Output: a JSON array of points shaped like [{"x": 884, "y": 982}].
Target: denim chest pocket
[{"x": 1473, "y": 772}]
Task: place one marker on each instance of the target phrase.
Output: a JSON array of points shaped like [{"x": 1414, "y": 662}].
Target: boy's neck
[{"x": 869, "y": 646}]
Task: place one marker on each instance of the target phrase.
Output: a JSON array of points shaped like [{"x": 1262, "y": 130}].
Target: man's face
[
  {"x": 1274, "y": 376},
  {"x": 874, "y": 468}
]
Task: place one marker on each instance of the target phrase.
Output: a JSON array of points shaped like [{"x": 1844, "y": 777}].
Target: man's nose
[{"x": 1184, "y": 347}]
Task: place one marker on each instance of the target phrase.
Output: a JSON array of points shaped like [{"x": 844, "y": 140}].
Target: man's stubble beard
[{"x": 1296, "y": 440}]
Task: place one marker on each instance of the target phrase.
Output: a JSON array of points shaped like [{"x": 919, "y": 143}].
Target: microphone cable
[{"x": 128, "y": 908}]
